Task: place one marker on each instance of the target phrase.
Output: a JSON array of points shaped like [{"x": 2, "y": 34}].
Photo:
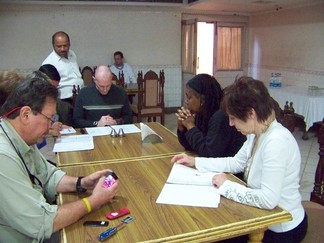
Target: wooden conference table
[
  {"x": 141, "y": 181},
  {"x": 107, "y": 148}
]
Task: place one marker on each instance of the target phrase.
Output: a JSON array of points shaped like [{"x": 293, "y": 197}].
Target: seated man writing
[
  {"x": 103, "y": 103},
  {"x": 28, "y": 182}
]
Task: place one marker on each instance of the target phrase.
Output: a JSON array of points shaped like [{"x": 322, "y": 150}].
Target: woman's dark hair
[
  {"x": 31, "y": 92},
  {"x": 247, "y": 93},
  {"x": 50, "y": 71},
  {"x": 210, "y": 92}
]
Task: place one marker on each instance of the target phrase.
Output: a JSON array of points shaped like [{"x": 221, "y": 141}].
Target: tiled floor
[{"x": 308, "y": 149}]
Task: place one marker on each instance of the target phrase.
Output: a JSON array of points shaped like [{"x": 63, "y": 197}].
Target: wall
[
  {"x": 290, "y": 42},
  {"x": 148, "y": 37}
]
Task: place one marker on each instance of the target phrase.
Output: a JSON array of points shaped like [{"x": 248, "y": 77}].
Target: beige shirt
[{"x": 25, "y": 214}]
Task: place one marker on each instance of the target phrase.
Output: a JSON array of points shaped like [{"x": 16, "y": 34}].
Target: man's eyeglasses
[{"x": 51, "y": 120}]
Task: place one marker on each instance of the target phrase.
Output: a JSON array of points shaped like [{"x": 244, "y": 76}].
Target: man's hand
[
  {"x": 106, "y": 121},
  {"x": 55, "y": 129},
  {"x": 101, "y": 195},
  {"x": 90, "y": 181},
  {"x": 184, "y": 160}
]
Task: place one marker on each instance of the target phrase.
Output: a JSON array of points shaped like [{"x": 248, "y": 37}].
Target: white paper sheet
[
  {"x": 189, "y": 187},
  {"x": 73, "y": 143},
  {"x": 181, "y": 174},
  {"x": 104, "y": 131},
  {"x": 66, "y": 131},
  {"x": 189, "y": 195}
]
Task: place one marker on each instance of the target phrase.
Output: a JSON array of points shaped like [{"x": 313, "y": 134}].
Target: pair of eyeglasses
[{"x": 51, "y": 119}]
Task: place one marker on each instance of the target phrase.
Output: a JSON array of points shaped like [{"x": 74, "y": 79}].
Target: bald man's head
[{"x": 103, "y": 79}]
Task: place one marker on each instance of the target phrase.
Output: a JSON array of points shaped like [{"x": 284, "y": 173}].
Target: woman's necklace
[{"x": 250, "y": 159}]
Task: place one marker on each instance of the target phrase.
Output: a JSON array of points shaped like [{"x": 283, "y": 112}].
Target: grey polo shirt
[{"x": 25, "y": 215}]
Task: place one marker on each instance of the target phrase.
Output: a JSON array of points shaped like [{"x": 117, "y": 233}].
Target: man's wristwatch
[
  {"x": 79, "y": 188},
  {"x": 95, "y": 123}
]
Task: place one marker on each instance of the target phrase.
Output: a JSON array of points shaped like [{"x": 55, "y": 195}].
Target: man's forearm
[
  {"x": 68, "y": 214},
  {"x": 67, "y": 184}
]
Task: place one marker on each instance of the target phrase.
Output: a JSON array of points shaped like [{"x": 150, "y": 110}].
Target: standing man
[
  {"x": 103, "y": 103},
  {"x": 121, "y": 66},
  {"x": 66, "y": 64},
  {"x": 28, "y": 182}
]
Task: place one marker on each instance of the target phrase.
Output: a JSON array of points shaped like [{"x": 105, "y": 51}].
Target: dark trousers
[
  {"x": 295, "y": 235},
  {"x": 68, "y": 100}
]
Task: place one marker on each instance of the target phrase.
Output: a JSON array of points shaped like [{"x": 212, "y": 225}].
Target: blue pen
[{"x": 111, "y": 231}]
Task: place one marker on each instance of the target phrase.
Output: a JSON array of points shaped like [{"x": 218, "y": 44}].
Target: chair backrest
[
  {"x": 75, "y": 92},
  {"x": 120, "y": 81},
  {"x": 317, "y": 194},
  {"x": 87, "y": 74},
  {"x": 151, "y": 89}
]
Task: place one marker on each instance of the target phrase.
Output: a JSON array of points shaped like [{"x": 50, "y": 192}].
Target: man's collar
[
  {"x": 22, "y": 146},
  {"x": 58, "y": 57},
  {"x": 119, "y": 67}
]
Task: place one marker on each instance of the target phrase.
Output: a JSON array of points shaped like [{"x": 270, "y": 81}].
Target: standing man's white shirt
[
  {"x": 129, "y": 76},
  {"x": 68, "y": 70}
]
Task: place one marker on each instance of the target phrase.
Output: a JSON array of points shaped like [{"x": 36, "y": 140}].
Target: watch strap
[{"x": 79, "y": 187}]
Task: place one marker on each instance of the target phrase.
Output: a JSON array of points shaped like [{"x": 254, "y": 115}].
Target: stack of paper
[
  {"x": 102, "y": 131},
  {"x": 189, "y": 187},
  {"x": 73, "y": 143}
]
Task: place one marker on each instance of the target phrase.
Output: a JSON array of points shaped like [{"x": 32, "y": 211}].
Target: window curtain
[
  {"x": 229, "y": 51},
  {"x": 188, "y": 46}
]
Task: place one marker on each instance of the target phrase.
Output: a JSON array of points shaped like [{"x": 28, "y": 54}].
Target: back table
[{"x": 107, "y": 148}]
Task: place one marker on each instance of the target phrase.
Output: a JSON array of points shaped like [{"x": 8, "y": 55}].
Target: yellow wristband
[{"x": 86, "y": 202}]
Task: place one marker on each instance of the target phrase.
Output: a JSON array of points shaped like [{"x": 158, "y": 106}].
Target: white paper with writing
[{"x": 73, "y": 143}]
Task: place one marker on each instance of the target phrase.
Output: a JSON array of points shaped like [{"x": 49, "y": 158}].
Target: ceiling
[
  {"x": 249, "y": 6},
  {"x": 245, "y": 7}
]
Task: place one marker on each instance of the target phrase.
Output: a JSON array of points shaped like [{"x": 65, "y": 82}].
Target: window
[
  {"x": 189, "y": 39},
  {"x": 209, "y": 47},
  {"x": 229, "y": 48}
]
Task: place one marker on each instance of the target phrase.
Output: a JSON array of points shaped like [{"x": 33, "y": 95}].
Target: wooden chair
[
  {"x": 150, "y": 96},
  {"x": 75, "y": 92},
  {"x": 87, "y": 74},
  {"x": 315, "y": 207},
  {"x": 299, "y": 121},
  {"x": 120, "y": 81},
  {"x": 289, "y": 119},
  {"x": 286, "y": 116}
]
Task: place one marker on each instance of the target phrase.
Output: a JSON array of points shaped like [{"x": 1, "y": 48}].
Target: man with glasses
[
  {"x": 103, "y": 103},
  {"x": 28, "y": 182}
]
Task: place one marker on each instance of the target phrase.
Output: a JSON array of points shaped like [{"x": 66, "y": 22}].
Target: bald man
[
  {"x": 66, "y": 64},
  {"x": 103, "y": 103}
]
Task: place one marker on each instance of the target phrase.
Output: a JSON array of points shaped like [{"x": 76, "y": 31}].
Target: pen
[{"x": 111, "y": 231}]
